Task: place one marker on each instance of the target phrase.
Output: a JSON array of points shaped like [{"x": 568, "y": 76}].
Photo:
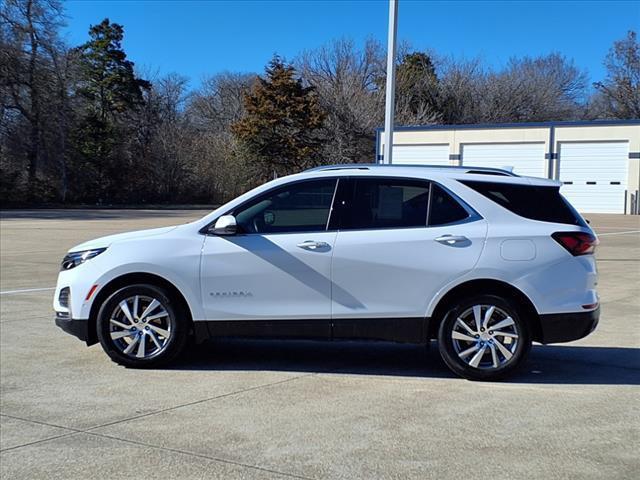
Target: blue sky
[{"x": 198, "y": 38}]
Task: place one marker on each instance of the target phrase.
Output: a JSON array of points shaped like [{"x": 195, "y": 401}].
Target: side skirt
[{"x": 404, "y": 330}]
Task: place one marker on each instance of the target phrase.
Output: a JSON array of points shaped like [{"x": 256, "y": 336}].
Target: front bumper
[
  {"x": 566, "y": 327},
  {"x": 77, "y": 328}
]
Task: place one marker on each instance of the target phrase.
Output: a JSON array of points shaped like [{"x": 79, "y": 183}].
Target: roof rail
[
  {"x": 507, "y": 172},
  {"x": 342, "y": 166}
]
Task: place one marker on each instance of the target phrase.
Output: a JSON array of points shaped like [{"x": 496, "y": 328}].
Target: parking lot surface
[{"x": 251, "y": 409}]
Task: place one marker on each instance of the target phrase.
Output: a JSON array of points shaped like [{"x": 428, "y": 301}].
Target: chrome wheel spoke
[
  {"x": 487, "y": 316},
  {"x": 504, "y": 350},
  {"x": 132, "y": 345},
  {"x": 463, "y": 324},
  {"x": 141, "y": 346},
  {"x": 477, "y": 316},
  {"x": 507, "y": 322},
  {"x": 162, "y": 314},
  {"x": 136, "y": 301},
  {"x": 461, "y": 336},
  {"x": 120, "y": 324},
  {"x": 161, "y": 331},
  {"x": 154, "y": 338},
  {"x": 475, "y": 361},
  {"x": 150, "y": 308},
  {"x": 468, "y": 351},
  {"x": 124, "y": 306},
  {"x": 505, "y": 334},
  {"x": 494, "y": 356},
  {"x": 121, "y": 334}
]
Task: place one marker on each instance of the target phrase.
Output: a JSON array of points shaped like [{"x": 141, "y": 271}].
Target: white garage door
[
  {"x": 594, "y": 175},
  {"x": 421, "y": 154},
  {"x": 526, "y": 158}
]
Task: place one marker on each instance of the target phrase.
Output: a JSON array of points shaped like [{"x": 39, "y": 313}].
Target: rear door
[{"x": 399, "y": 242}]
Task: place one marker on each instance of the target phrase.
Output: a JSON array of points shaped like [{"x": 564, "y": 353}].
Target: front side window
[
  {"x": 376, "y": 203},
  {"x": 300, "y": 207}
]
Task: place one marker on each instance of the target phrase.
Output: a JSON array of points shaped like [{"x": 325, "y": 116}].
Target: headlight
[{"x": 73, "y": 259}]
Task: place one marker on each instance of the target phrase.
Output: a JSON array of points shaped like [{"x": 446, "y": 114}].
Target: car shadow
[{"x": 547, "y": 364}]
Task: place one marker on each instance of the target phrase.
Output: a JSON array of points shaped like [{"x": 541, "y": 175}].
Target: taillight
[{"x": 577, "y": 243}]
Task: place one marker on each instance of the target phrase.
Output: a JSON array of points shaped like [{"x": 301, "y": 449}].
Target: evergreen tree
[
  {"x": 111, "y": 93},
  {"x": 417, "y": 89},
  {"x": 281, "y": 127},
  {"x": 108, "y": 81}
]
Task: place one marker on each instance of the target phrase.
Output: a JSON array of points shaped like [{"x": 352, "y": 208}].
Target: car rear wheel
[
  {"x": 484, "y": 338},
  {"x": 140, "y": 326}
]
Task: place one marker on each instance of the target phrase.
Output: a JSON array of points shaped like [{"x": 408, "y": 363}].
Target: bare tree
[
  {"x": 347, "y": 81},
  {"x": 620, "y": 91},
  {"x": 219, "y": 102},
  {"x": 534, "y": 89},
  {"x": 29, "y": 31},
  {"x": 461, "y": 84}
]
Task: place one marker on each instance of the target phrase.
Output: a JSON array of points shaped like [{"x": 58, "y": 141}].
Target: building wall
[{"x": 552, "y": 134}]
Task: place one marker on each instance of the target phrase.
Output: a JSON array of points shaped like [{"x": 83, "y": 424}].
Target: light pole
[{"x": 389, "y": 108}]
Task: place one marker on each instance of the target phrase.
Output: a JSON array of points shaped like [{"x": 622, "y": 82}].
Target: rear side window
[
  {"x": 444, "y": 209},
  {"x": 537, "y": 203},
  {"x": 375, "y": 203}
]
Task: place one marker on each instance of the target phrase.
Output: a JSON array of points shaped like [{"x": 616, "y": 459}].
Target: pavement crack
[
  {"x": 199, "y": 455},
  {"x": 75, "y": 431},
  {"x": 38, "y": 422},
  {"x": 197, "y": 402},
  {"x": 71, "y": 431}
]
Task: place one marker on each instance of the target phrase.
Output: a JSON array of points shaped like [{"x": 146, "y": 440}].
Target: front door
[{"x": 278, "y": 266}]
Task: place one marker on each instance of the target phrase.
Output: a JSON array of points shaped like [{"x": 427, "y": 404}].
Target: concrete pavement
[{"x": 250, "y": 409}]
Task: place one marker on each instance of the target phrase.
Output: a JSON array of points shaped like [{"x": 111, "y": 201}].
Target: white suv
[{"x": 481, "y": 259}]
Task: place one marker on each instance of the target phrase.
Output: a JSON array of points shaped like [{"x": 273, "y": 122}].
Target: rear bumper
[
  {"x": 566, "y": 327},
  {"x": 77, "y": 328}
]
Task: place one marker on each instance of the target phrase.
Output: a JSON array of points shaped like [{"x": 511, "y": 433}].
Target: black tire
[
  {"x": 158, "y": 351},
  {"x": 508, "y": 356}
]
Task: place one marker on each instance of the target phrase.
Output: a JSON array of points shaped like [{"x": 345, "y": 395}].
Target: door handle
[
  {"x": 452, "y": 239},
  {"x": 312, "y": 245}
]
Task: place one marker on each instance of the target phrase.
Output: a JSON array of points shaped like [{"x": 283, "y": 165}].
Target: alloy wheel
[
  {"x": 140, "y": 327},
  {"x": 485, "y": 337}
]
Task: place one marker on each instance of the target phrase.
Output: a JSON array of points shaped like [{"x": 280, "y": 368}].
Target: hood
[{"x": 104, "y": 242}]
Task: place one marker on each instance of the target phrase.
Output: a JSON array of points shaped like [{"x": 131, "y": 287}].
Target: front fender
[{"x": 189, "y": 288}]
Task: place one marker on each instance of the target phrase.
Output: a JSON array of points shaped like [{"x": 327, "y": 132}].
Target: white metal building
[{"x": 597, "y": 161}]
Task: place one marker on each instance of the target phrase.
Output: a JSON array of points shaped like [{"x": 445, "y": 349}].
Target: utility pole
[{"x": 389, "y": 108}]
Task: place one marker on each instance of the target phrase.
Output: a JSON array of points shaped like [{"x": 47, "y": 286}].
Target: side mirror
[{"x": 225, "y": 225}]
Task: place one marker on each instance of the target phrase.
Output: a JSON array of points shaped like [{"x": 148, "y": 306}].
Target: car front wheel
[
  {"x": 484, "y": 338},
  {"x": 140, "y": 326}
]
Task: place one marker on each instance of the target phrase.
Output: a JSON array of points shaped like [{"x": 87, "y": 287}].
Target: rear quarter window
[
  {"x": 545, "y": 204},
  {"x": 444, "y": 209}
]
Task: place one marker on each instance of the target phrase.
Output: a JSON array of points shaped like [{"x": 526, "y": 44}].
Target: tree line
[{"x": 81, "y": 125}]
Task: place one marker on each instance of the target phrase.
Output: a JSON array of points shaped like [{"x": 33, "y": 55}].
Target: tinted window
[
  {"x": 368, "y": 203},
  {"x": 529, "y": 201},
  {"x": 444, "y": 208},
  {"x": 301, "y": 207}
]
